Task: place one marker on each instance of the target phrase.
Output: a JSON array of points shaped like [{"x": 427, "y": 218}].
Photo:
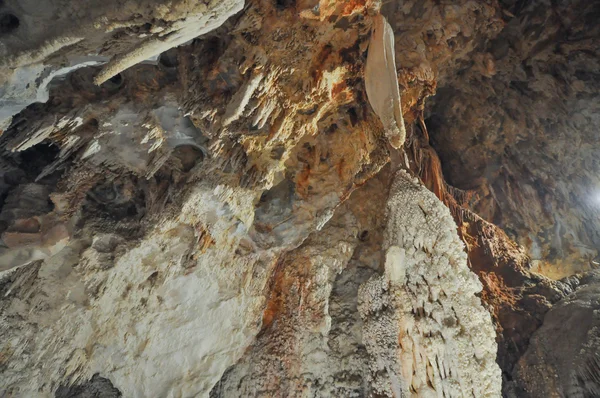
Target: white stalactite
[
  {"x": 200, "y": 20},
  {"x": 381, "y": 81}
]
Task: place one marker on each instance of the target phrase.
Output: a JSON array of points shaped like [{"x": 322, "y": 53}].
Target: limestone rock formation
[
  {"x": 416, "y": 330},
  {"x": 519, "y": 126},
  {"x": 381, "y": 81},
  {"x": 43, "y": 41},
  {"x": 312, "y": 198},
  {"x": 564, "y": 361},
  {"x": 446, "y": 339}
]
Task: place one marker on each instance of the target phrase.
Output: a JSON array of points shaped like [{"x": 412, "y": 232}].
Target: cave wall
[{"x": 519, "y": 128}]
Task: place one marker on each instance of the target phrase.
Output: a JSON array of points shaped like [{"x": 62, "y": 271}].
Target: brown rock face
[
  {"x": 516, "y": 123},
  {"x": 517, "y": 298},
  {"x": 563, "y": 361},
  {"x": 306, "y": 198}
]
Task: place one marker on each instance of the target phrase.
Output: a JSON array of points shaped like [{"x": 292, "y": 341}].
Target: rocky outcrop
[
  {"x": 128, "y": 309},
  {"x": 317, "y": 286},
  {"x": 310, "y": 342},
  {"x": 96, "y": 387},
  {"x": 563, "y": 361},
  {"x": 415, "y": 330},
  {"x": 42, "y": 42},
  {"x": 517, "y": 298}
]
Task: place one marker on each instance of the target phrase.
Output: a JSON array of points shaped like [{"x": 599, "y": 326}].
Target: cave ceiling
[{"x": 299, "y": 198}]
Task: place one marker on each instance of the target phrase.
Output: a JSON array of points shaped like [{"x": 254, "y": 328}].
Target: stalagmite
[{"x": 424, "y": 327}]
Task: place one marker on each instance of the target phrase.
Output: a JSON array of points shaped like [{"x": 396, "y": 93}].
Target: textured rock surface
[
  {"x": 564, "y": 361},
  {"x": 293, "y": 356},
  {"x": 424, "y": 309},
  {"x": 133, "y": 316},
  {"x": 53, "y": 38},
  {"x": 311, "y": 343},
  {"x": 417, "y": 329},
  {"x": 517, "y": 298},
  {"x": 518, "y": 124},
  {"x": 216, "y": 217},
  {"x": 96, "y": 387}
]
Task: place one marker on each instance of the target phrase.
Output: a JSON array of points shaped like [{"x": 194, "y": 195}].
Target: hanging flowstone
[{"x": 381, "y": 81}]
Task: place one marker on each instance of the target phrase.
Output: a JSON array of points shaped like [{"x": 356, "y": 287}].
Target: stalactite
[{"x": 381, "y": 81}]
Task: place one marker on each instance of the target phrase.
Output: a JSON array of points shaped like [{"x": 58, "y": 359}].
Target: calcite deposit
[{"x": 299, "y": 198}]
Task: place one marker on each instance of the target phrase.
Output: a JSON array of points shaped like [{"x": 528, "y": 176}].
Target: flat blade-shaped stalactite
[{"x": 382, "y": 83}]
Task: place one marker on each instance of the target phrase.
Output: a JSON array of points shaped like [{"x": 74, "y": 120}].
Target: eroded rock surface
[
  {"x": 415, "y": 330},
  {"x": 40, "y": 41},
  {"x": 563, "y": 361},
  {"x": 518, "y": 124}
]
